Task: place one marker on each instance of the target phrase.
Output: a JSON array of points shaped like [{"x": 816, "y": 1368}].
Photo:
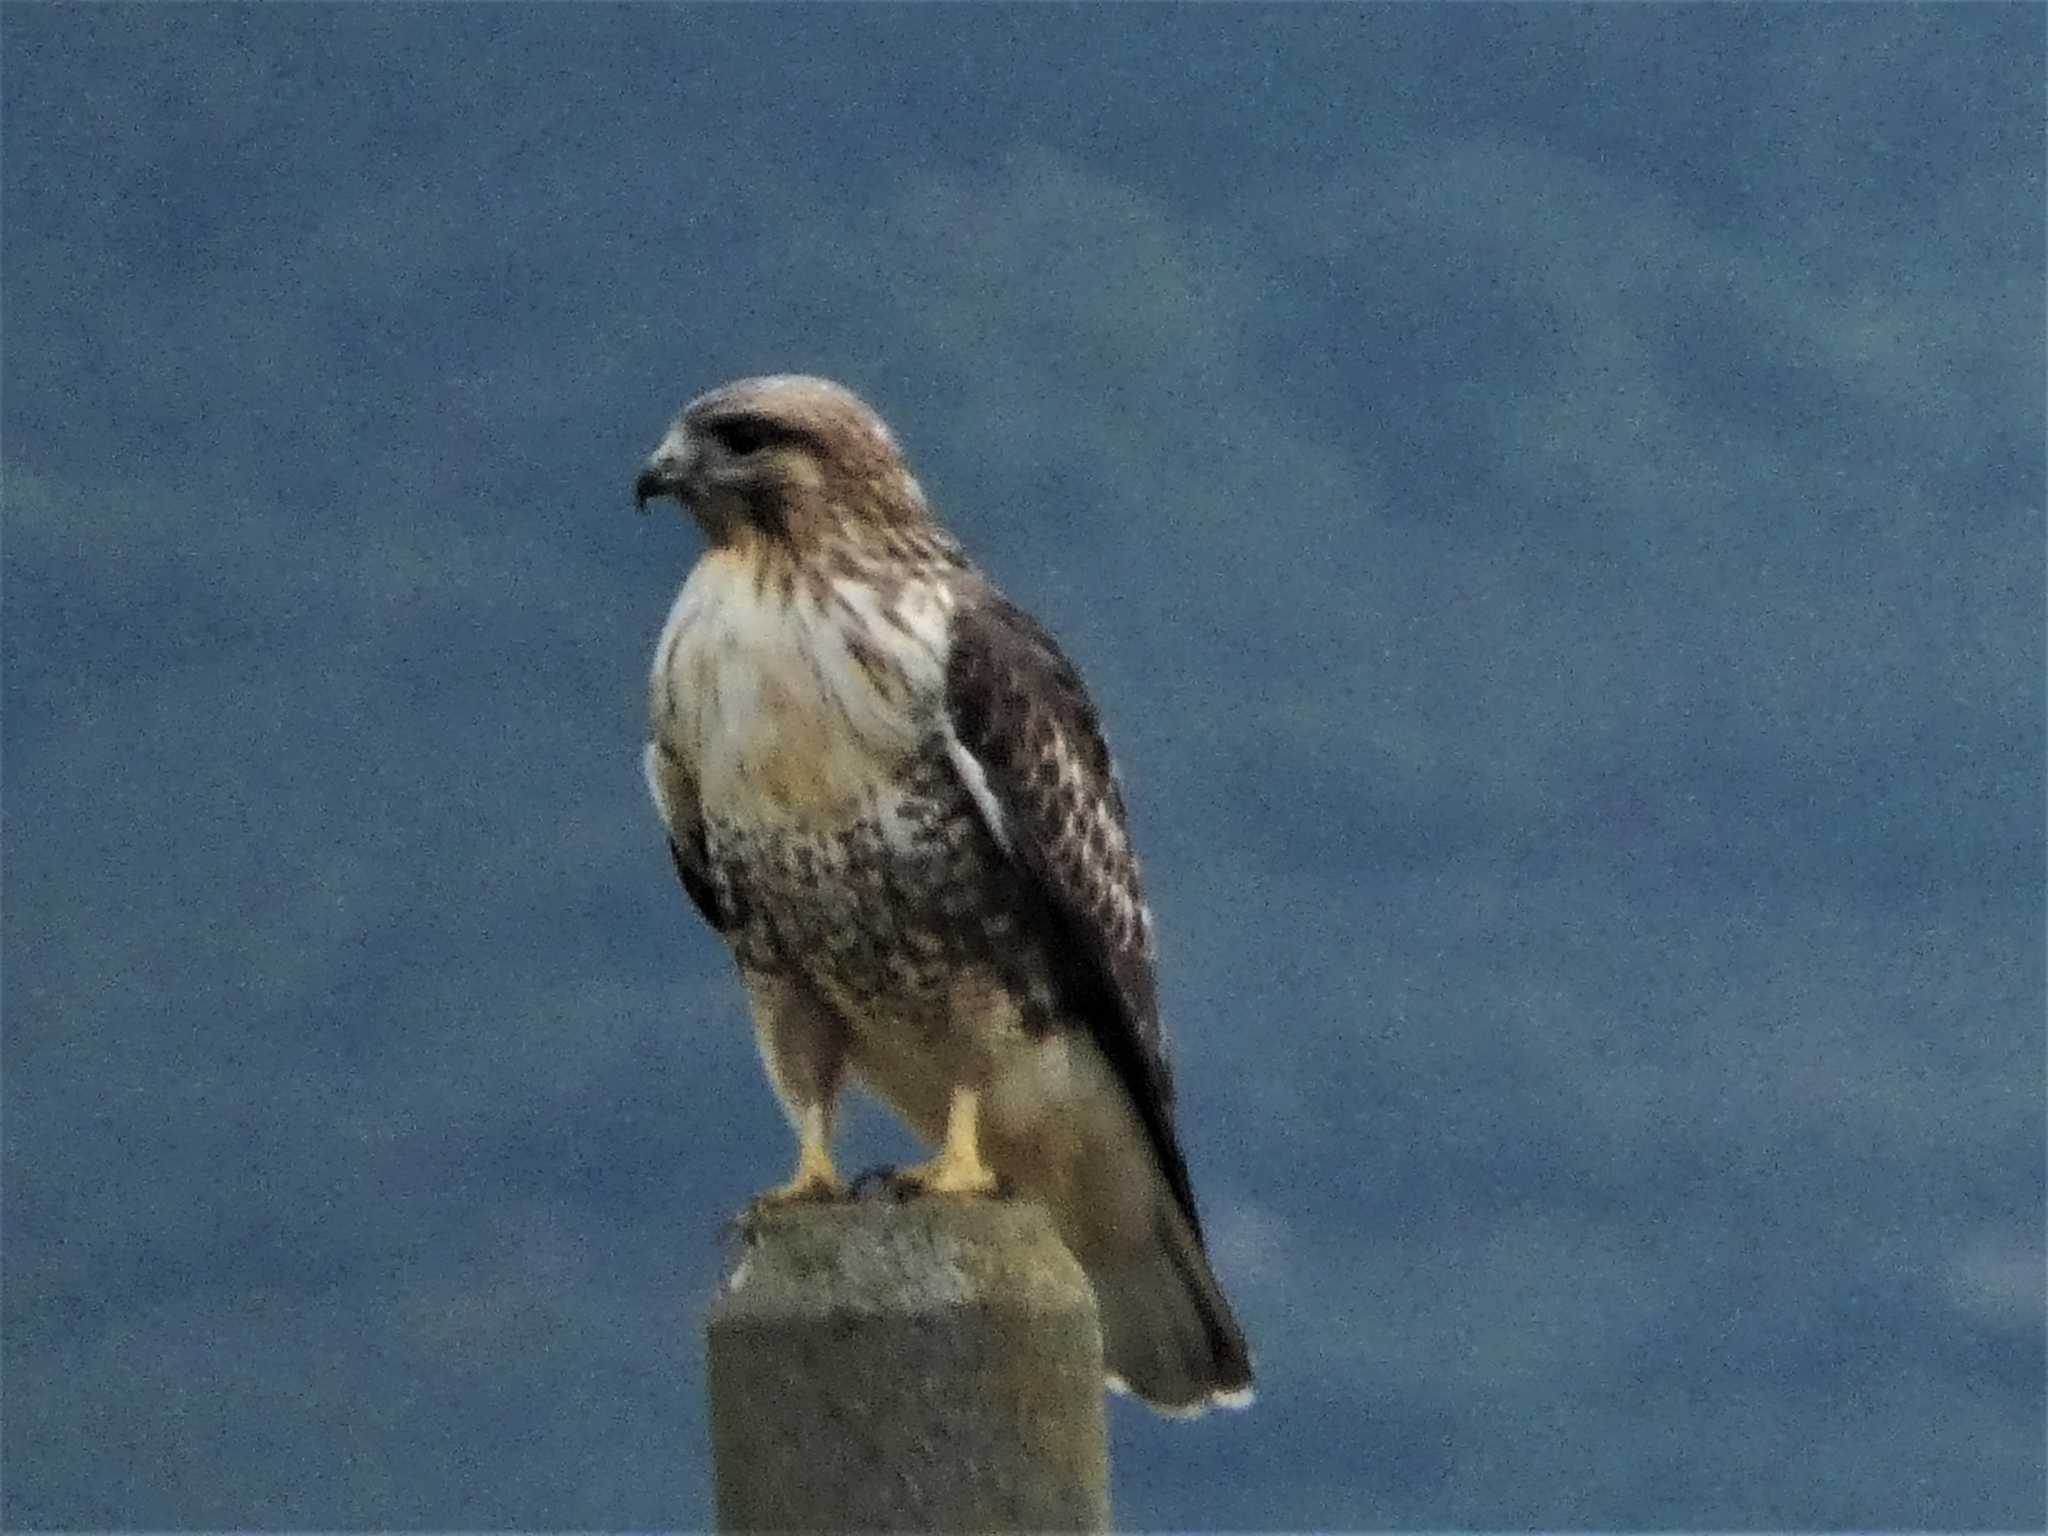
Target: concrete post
[{"x": 929, "y": 1365}]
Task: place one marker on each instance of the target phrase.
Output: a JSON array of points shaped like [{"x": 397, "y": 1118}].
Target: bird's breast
[{"x": 796, "y": 702}]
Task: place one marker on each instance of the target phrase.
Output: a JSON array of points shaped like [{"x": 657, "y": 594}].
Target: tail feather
[{"x": 1168, "y": 1333}]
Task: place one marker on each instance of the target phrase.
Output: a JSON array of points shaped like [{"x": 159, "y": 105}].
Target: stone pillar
[{"x": 934, "y": 1364}]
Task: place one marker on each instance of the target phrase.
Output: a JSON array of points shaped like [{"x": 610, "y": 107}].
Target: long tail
[{"x": 1168, "y": 1334}]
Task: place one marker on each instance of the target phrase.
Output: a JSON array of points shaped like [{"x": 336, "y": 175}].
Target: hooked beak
[
  {"x": 652, "y": 483},
  {"x": 667, "y": 470}
]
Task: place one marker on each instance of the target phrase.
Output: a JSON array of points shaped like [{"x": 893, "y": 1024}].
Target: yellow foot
[
  {"x": 815, "y": 1177},
  {"x": 943, "y": 1177},
  {"x": 958, "y": 1169},
  {"x": 808, "y": 1185},
  {"x": 807, "y": 1188}
]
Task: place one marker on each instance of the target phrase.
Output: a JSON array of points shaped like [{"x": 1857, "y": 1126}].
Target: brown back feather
[{"x": 1020, "y": 708}]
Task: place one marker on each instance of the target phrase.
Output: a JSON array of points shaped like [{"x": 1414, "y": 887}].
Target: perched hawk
[{"x": 886, "y": 788}]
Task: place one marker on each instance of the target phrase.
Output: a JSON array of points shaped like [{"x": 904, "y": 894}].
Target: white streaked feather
[
  {"x": 975, "y": 777},
  {"x": 650, "y": 765},
  {"x": 760, "y": 696},
  {"x": 919, "y": 632}
]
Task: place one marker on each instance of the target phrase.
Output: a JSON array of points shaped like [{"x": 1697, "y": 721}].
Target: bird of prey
[{"x": 886, "y": 788}]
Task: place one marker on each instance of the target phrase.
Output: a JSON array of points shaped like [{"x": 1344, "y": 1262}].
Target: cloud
[{"x": 1997, "y": 1279}]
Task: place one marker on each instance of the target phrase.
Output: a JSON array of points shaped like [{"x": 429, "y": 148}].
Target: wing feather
[
  {"x": 675, "y": 797},
  {"x": 1027, "y": 744}
]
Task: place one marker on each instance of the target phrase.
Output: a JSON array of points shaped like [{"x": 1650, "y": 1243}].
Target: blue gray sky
[{"x": 1550, "y": 501}]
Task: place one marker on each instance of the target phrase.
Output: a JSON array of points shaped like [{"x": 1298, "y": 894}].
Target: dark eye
[{"x": 742, "y": 434}]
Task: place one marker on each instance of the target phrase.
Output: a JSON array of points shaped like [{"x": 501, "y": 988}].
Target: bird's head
[{"x": 786, "y": 457}]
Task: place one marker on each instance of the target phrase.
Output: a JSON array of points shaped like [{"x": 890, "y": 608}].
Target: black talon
[{"x": 884, "y": 1179}]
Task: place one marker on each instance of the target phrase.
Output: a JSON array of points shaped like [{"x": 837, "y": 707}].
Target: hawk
[{"x": 886, "y": 788}]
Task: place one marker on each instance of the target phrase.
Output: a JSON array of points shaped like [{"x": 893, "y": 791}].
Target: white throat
[{"x": 797, "y": 704}]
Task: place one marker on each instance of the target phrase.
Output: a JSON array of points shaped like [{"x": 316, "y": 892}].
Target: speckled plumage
[
  {"x": 887, "y": 789},
  {"x": 880, "y": 916}
]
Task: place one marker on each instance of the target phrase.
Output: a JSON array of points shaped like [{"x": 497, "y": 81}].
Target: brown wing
[
  {"x": 675, "y": 796},
  {"x": 1037, "y": 767}
]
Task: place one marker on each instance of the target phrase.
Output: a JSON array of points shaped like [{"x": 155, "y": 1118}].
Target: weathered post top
[{"x": 928, "y": 1365}]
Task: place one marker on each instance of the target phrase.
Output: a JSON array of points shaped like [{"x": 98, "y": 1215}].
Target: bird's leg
[
  {"x": 804, "y": 1048},
  {"x": 958, "y": 1169},
  {"x": 815, "y": 1177}
]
